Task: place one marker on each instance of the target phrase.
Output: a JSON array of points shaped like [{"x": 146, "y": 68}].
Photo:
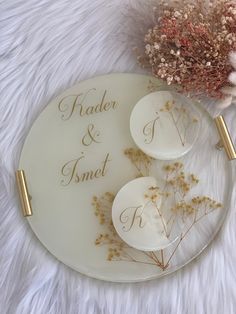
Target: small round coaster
[
  {"x": 164, "y": 125},
  {"x": 137, "y": 215}
]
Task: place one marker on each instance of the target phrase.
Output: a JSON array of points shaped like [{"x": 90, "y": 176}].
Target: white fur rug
[{"x": 47, "y": 46}]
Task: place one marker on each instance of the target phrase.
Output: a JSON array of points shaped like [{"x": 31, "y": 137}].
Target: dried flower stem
[
  {"x": 184, "y": 235},
  {"x": 178, "y": 185}
]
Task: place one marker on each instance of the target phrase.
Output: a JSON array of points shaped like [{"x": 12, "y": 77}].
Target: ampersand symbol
[{"x": 91, "y": 136}]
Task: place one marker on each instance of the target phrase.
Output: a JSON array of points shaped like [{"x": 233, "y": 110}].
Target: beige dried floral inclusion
[
  {"x": 178, "y": 186},
  {"x": 140, "y": 161}
]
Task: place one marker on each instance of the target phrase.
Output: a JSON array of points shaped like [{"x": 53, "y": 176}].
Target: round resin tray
[{"x": 79, "y": 153}]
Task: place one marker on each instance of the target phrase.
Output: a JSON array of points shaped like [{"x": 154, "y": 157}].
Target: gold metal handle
[
  {"x": 225, "y": 138},
  {"x": 23, "y": 193}
]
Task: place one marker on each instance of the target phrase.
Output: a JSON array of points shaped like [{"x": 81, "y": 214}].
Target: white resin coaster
[
  {"x": 137, "y": 215},
  {"x": 164, "y": 125}
]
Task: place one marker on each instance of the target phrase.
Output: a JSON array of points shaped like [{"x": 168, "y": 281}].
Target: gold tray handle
[
  {"x": 225, "y": 138},
  {"x": 23, "y": 193}
]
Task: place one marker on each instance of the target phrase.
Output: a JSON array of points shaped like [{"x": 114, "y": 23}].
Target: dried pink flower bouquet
[{"x": 191, "y": 43}]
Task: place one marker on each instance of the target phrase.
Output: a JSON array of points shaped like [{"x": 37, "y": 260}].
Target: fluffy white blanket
[{"x": 47, "y": 46}]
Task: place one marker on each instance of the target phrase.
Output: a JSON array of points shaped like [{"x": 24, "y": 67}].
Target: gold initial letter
[
  {"x": 149, "y": 130},
  {"x": 129, "y": 214}
]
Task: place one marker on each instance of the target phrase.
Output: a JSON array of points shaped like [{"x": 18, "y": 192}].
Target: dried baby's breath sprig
[
  {"x": 189, "y": 44},
  {"x": 178, "y": 181},
  {"x": 195, "y": 204},
  {"x": 177, "y": 187},
  {"x": 102, "y": 207},
  {"x": 140, "y": 160},
  {"x": 153, "y": 194}
]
